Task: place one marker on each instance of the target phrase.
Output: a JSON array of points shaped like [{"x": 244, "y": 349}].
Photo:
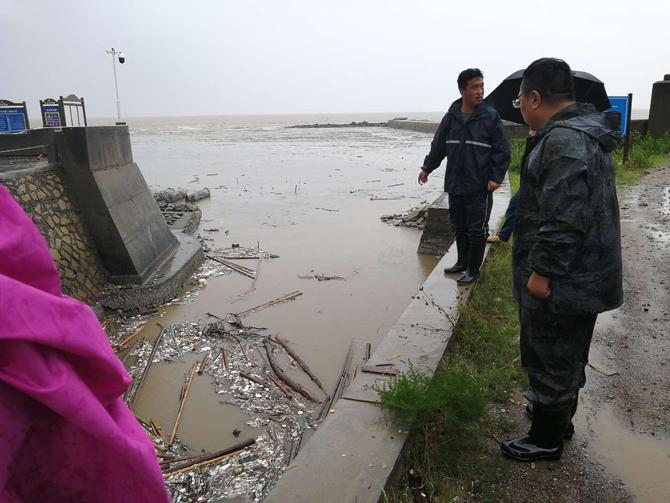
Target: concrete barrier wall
[
  {"x": 117, "y": 206},
  {"x": 41, "y": 193},
  {"x": 511, "y": 130}
]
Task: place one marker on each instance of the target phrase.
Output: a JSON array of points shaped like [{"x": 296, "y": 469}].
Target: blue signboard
[
  {"x": 51, "y": 115},
  {"x": 620, "y": 104},
  {"x": 12, "y": 119}
]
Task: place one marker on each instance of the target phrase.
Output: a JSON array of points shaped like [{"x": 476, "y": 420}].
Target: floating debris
[
  {"x": 416, "y": 217},
  {"x": 226, "y": 351},
  {"x": 321, "y": 277}
]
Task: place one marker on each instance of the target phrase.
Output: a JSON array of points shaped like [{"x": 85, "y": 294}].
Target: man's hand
[
  {"x": 538, "y": 286},
  {"x": 493, "y": 185},
  {"x": 423, "y": 177}
]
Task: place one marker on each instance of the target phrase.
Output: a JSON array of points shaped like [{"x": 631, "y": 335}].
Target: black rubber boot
[
  {"x": 462, "y": 261},
  {"x": 570, "y": 430},
  {"x": 544, "y": 441},
  {"x": 475, "y": 257}
]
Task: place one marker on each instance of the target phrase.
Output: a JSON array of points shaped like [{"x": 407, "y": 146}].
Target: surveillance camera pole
[{"x": 116, "y": 85}]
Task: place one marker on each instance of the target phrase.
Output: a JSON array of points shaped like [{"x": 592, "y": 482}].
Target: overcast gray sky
[{"x": 303, "y": 56}]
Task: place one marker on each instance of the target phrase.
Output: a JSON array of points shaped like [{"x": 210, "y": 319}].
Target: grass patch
[
  {"x": 645, "y": 153},
  {"x": 451, "y": 414}
]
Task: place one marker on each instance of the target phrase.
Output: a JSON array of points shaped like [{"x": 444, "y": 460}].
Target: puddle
[
  {"x": 641, "y": 461},
  {"x": 207, "y": 423}
]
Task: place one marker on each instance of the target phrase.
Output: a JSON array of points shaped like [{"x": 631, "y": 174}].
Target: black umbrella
[{"x": 588, "y": 89}]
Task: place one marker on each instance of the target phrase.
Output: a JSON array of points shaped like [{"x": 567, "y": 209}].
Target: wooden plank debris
[{"x": 373, "y": 369}]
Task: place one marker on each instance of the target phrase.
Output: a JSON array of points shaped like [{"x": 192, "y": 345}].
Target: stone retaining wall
[{"x": 43, "y": 197}]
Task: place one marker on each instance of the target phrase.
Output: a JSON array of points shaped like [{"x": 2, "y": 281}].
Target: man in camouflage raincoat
[{"x": 567, "y": 250}]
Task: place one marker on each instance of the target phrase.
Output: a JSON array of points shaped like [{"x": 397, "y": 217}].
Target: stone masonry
[{"x": 44, "y": 199}]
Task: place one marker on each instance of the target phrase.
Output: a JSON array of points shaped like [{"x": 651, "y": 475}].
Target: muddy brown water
[{"x": 277, "y": 192}]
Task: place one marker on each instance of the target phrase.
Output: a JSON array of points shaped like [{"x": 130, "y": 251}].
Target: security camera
[{"x": 122, "y": 58}]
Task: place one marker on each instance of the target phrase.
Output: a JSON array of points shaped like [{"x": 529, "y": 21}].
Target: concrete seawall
[
  {"x": 511, "y": 130},
  {"x": 91, "y": 203}
]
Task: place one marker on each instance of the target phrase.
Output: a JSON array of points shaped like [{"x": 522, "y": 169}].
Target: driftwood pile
[{"x": 261, "y": 374}]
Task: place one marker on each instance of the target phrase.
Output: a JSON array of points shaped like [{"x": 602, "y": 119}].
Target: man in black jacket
[
  {"x": 566, "y": 252},
  {"x": 472, "y": 138}
]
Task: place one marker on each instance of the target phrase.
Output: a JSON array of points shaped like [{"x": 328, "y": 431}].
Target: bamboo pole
[
  {"x": 280, "y": 386},
  {"x": 163, "y": 464},
  {"x": 123, "y": 343},
  {"x": 343, "y": 372},
  {"x": 286, "y": 379},
  {"x": 146, "y": 369},
  {"x": 224, "y": 355},
  {"x": 283, "y": 343},
  {"x": 210, "y": 458},
  {"x": 252, "y": 378},
  {"x": 201, "y": 369},
  {"x": 250, "y": 273},
  {"x": 187, "y": 388},
  {"x": 157, "y": 427},
  {"x": 278, "y": 300}
]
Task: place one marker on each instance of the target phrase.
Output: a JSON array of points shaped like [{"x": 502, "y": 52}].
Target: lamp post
[{"x": 122, "y": 59}]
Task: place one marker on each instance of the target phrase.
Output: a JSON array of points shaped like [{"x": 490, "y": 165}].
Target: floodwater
[{"x": 311, "y": 196}]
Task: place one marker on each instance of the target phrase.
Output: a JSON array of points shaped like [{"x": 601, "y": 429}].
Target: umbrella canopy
[{"x": 588, "y": 89}]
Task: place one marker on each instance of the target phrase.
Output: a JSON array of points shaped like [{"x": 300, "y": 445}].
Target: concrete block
[
  {"x": 659, "y": 109},
  {"x": 115, "y": 202},
  {"x": 437, "y": 234}
]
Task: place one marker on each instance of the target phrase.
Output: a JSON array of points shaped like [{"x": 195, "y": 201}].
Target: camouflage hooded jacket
[{"x": 567, "y": 222}]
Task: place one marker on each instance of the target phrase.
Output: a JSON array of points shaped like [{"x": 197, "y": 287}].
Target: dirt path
[{"x": 621, "y": 450}]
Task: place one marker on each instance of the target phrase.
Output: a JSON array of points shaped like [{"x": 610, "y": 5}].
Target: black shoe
[
  {"x": 467, "y": 278},
  {"x": 462, "y": 247},
  {"x": 523, "y": 449},
  {"x": 544, "y": 441},
  {"x": 455, "y": 268},
  {"x": 570, "y": 430}
]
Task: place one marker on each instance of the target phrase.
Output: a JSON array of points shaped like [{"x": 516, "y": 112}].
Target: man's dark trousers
[
  {"x": 554, "y": 353},
  {"x": 469, "y": 214}
]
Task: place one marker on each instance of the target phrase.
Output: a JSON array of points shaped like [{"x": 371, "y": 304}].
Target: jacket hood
[{"x": 584, "y": 117}]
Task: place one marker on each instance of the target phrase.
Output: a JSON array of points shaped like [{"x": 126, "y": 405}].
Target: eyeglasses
[{"x": 516, "y": 103}]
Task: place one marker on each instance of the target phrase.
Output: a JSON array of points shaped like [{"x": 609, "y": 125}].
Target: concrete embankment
[{"x": 512, "y": 130}]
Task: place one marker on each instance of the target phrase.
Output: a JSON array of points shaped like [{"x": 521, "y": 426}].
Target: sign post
[
  {"x": 623, "y": 105},
  {"x": 52, "y": 116},
  {"x": 13, "y": 117}
]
